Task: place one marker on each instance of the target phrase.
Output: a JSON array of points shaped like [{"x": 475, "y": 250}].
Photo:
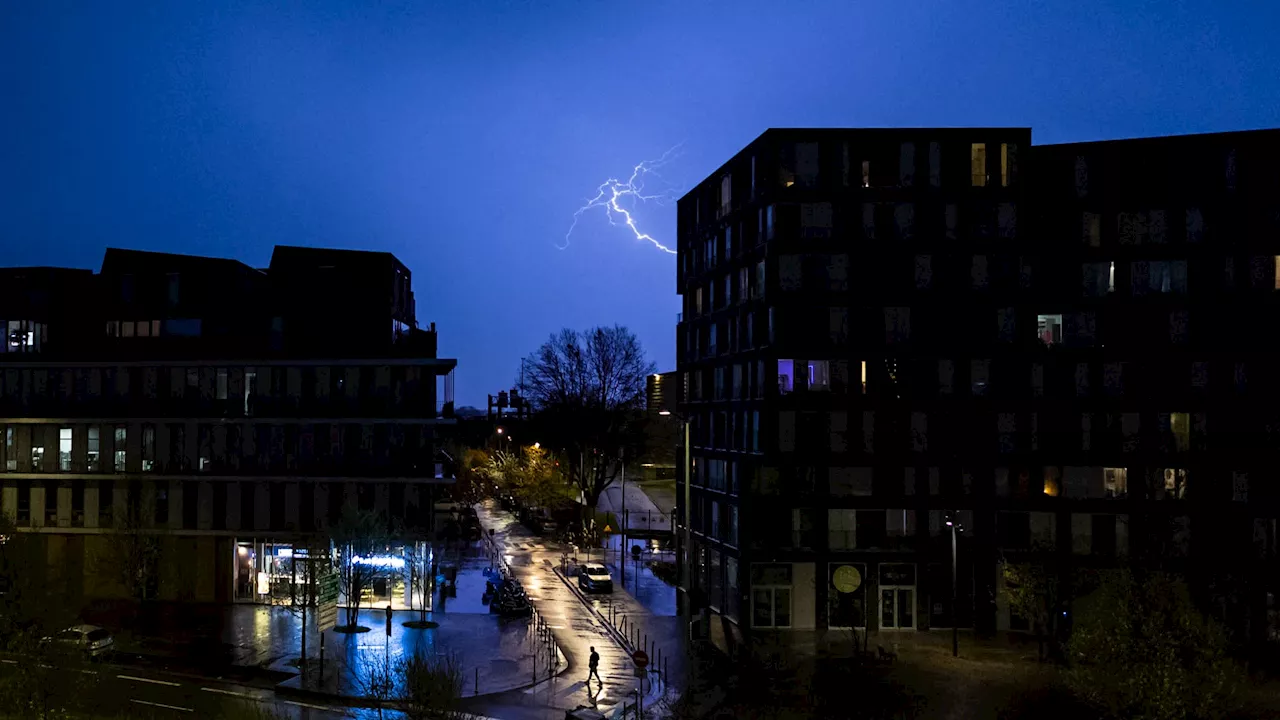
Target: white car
[
  {"x": 89, "y": 639},
  {"x": 594, "y": 577}
]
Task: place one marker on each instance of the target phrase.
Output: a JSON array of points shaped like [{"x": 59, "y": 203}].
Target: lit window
[
  {"x": 1008, "y": 163},
  {"x": 126, "y": 328},
  {"x": 64, "y": 449},
  {"x": 94, "y": 450},
  {"x": 978, "y": 164},
  {"x": 786, "y": 376},
  {"x": 866, "y": 173},
  {"x": 1277, "y": 286},
  {"x": 864, "y": 377},
  {"x": 144, "y": 329},
  {"x": 121, "y": 438},
  {"x": 1049, "y": 329}
]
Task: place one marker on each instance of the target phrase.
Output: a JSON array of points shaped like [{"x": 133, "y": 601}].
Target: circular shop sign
[{"x": 846, "y": 579}]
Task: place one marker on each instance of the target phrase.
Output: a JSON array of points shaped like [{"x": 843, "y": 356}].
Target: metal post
[
  {"x": 955, "y": 621},
  {"x": 622, "y": 549}
]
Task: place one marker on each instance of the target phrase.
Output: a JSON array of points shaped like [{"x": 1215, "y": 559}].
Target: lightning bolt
[{"x": 612, "y": 192}]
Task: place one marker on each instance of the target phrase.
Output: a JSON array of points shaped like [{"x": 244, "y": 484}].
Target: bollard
[
  {"x": 645, "y": 645},
  {"x": 477, "y": 685},
  {"x": 657, "y": 664}
]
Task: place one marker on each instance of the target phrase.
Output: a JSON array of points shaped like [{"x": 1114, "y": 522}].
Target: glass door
[{"x": 897, "y": 609}]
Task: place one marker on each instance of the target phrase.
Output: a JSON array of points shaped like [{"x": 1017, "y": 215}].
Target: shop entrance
[{"x": 897, "y": 596}]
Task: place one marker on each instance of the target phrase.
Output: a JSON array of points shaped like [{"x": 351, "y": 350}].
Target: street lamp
[{"x": 953, "y": 522}]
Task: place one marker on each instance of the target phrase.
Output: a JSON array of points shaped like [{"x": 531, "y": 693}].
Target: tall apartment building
[
  {"x": 894, "y": 340},
  {"x": 232, "y": 412}
]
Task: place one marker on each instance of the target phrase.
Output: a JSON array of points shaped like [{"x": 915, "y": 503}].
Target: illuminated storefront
[{"x": 272, "y": 573}]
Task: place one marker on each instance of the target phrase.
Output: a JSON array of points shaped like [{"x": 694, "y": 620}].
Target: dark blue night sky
[{"x": 462, "y": 135}]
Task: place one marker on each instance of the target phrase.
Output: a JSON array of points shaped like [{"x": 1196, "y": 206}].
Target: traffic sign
[{"x": 641, "y": 658}]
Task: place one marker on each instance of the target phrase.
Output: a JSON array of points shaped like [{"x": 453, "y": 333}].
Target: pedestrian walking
[{"x": 594, "y": 665}]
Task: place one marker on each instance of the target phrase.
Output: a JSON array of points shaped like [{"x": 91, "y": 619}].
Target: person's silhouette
[{"x": 594, "y": 665}]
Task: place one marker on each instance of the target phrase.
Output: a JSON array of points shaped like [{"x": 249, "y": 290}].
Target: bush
[
  {"x": 430, "y": 686},
  {"x": 1140, "y": 649}
]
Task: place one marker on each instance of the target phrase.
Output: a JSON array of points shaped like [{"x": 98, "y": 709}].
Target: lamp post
[{"x": 953, "y": 522}]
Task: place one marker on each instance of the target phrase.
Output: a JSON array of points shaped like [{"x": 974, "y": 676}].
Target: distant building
[
  {"x": 662, "y": 426},
  {"x": 235, "y": 411},
  {"x": 890, "y": 333}
]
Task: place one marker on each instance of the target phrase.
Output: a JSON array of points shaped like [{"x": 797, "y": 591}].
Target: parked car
[
  {"x": 594, "y": 577},
  {"x": 88, "y": 639}
]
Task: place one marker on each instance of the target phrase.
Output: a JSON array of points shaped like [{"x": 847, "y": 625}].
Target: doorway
[{"x": 897, "y": 596}]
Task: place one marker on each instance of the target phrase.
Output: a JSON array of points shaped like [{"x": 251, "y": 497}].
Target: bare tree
[
  {"x": 588, "y": 390},
  {"x": 359, "y": 536},
  {"x": 132, "y": 556}
]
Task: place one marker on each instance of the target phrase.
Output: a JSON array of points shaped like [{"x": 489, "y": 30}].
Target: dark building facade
[
  {"x": 897, "y": 340},
  {"x": 232, "y": 412}
]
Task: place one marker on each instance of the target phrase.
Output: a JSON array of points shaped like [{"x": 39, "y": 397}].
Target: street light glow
[{"x": 664, "y": 412}]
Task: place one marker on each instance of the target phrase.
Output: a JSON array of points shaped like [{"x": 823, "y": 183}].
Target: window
[
  {"x": 1008, "y": 163},
  {"x": 64, "y": 449},
  {"x": 162, "y": 502},
  {"x": 946, "y": 376},
  {"x": 1006, "y": 324},
  {"x": 10, "y": 450},
  {"x": 148, "y": 448},
  {"x": 978, "y": 164},
  {"x": 93, "y": 453},
  {"x": 802, "y": 528},
  {"x": 758, "y": 291},
  {"x": 1099, "y": 278},
  {"x": 935, "y": 164},
  {"x": 37, "y": 448},
  {"x": 1049, "y": 329},
  {"x": 815, "y": 220},
  {"x": 1175, "y": 484},
  {"x": 864, "y": 376},
  {"x": 1091, "y": 229},
  {"x": 866, "y": 173},
  {"x": 1113, "y": 378},
  {"x": 919, "y": 432},
  {"x": 222, "y": 384},
  {"x": 924, "y": 272},
  {"x": 726, "y": 194},
  {"x": 1199, "y": 375},
  {"x": 843, "y": 481},
  {"x": 979, "y": 376},
  {"x": 1007, "y": 221},
  {"x": 819, "y": 375},
  {"x": 786, "y": 376},
  {"x": 897, "y": 324},
  {"x": 1037, "y": 379},
  {"x": 952, "y": 217},
  {"x": 978, "y": 272},
  {"x": 121, "y": 441},
  {"x": 841, "y": 529},
  {"x": 787, "y": 430},
  {"x": 904, "y": 218},
  {"x": 907, "y": 164},
  {"x": 768, "y": 222},
  {"x": 1007, "y": 432}
]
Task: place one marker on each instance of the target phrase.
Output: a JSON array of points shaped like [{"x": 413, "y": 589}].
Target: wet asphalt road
[{"x": 126, "y": 691}]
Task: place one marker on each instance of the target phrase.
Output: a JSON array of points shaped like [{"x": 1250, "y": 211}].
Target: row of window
[
  {"x": 175, "y": 327},
  {"x": 205, "y": 506},
  {"x": 234, "y": 391},
  {"x": 1012, "y": 433},
  {"x": 978, "y": 377},
  {"x": 172, "y": 448},
  {"x": 809, "y": 164},
  {"x": 1018, "y": 482}
]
